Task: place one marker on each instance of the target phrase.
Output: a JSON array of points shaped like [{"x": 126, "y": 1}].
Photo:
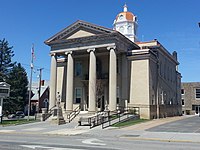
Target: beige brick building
[
  {"x": 100, "y": 68},
  {"x": 190, "y": 92}
]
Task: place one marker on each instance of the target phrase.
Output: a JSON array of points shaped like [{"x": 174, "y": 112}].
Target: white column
[
  {"x": 53, "y": 81},
  {"x": 70, "y": 79},
  {"x": 92, "y": 81},
  {"x": 112, "y": 79}
]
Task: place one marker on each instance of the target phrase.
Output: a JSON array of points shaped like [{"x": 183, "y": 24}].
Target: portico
[
  {"x": 109, "y": 51},
  {"x": 84, "y": 65}
]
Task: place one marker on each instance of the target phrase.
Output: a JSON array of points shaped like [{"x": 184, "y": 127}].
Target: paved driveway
[{"x": 187, "y": 125}]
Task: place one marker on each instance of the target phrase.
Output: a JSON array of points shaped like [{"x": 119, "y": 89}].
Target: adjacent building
[
  {"x": 106, "y": 69},
  {"x": 39, "y": 99},
  {"x": 190, "y": 92}
]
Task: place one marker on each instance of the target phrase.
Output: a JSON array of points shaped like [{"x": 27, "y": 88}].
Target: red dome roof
[{"x": 128, "y": 15}]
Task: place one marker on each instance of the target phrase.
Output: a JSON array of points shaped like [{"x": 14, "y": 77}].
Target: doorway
[{"x": 197, "y": 110}]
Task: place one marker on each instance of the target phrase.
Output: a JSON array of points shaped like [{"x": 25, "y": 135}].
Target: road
[
  {"x": 80, "y": 142},
  {"x": 139, "y": 137}
]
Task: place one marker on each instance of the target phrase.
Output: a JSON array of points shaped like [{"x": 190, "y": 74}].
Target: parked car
[
  {"x": 18, "y": 114},
  {"x": 11, "y": 116}
]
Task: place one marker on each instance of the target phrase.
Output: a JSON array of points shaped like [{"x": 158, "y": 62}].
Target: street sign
[
  {"x": 4, "y": 89},
  {"x": 4, "y": 92}
]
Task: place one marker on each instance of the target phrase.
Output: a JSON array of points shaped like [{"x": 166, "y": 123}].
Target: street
[
  {"x": 79, "y": 142},
  {"x": 168, "y": 133}
]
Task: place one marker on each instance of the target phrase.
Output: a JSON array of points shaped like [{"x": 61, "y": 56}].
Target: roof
[
  {"x": 4, "y": 85},
  {"x": 156, "y": 44},
  {"x": 75, "y": 26},
  {"x": 35, "y": 87}
]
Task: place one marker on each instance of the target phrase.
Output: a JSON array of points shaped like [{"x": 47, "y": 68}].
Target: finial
[{"x": 125, "y": 8}]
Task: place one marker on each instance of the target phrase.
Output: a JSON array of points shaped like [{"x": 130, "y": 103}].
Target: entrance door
[
  {"x": 197, "y": 110},
  {"x": 78, "y": 95}
]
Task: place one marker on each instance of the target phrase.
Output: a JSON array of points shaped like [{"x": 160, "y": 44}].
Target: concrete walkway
[{"x": 45, "y": 128}]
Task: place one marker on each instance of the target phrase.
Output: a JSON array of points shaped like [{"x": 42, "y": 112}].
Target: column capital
[
  {"x": 68, "y": 52},
  {"x": 111, "y": 47},
  {"x": 91, "y": 49},
  {"x": 52, "y": 54}
]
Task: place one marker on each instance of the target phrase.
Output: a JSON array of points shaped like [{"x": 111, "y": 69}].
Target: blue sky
[{"x": 174, "y": 23}]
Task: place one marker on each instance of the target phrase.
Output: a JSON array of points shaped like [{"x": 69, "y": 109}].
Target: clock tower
[{"x": 126, "y": 23}]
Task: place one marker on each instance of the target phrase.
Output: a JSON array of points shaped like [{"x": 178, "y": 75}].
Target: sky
[{"x": 174, "y": 23}]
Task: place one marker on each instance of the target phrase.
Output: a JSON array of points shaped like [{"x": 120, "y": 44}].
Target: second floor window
[
  {"x": 198, "y": 93},
  {"x": 78, "y": 69}
]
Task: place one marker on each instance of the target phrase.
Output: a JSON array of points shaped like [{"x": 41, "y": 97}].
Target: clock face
[{"x": 121, "y": 17}]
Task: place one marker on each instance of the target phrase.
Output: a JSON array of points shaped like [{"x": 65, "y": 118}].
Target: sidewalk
[
  {"x": 141, "y": 132},
  {"x": 45, "y": 128}
]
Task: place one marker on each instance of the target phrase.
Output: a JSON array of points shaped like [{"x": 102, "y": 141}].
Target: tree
[
  {"x": 18, "y": 80},
  {"x": 6, "y": 55}
]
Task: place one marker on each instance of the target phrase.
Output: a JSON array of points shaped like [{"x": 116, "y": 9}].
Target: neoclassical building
[{"x": 104, "y": 69}]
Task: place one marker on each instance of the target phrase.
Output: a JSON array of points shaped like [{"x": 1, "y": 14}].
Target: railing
[
  {"x": 133, "y": 110},
  {"x": 49, "y": 113},
  {"x": 74, "y": 113},
  {"x": 108, "y": 118},
  {"x": 98, "y": 119},
  {"x": 130, "y": 113}
]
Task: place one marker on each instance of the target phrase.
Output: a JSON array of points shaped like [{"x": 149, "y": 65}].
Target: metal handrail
[
  {"x": 49, "y": 113},
  {"x": 74, "y": 113},
  {"x": 130, "y": 112},
  {"x": 98, "y": 119}
]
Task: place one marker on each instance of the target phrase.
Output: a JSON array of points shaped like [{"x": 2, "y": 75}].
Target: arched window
[
  {"x": 121, "y": 29},
  {"x": 129, "y": 28}
]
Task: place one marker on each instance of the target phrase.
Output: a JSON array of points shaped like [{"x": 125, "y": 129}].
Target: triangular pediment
[
  {"x": 78, "y": 29},
  {"x": 80, "y": 33}
]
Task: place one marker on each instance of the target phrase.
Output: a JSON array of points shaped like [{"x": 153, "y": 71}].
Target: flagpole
[{"x": 30, "y": 84}]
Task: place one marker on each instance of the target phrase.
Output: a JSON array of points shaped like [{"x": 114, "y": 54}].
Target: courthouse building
[{"x": 105, "y": 69}]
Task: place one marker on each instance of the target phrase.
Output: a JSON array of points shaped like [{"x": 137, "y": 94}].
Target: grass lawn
[
  {"x": 129, "y": 123},
  {"x": 17, "y": 122}
]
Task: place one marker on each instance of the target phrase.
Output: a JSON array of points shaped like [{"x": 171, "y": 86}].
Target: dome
[{"x": 127, "y": 15}]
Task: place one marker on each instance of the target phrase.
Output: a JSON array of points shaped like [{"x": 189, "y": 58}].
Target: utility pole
[
  {"x": 30, "y": 83},
  {"x": 39, "y": 91}
]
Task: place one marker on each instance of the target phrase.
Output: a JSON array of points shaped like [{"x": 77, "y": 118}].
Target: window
[
  {"x": 121, "y": 17},
  {"x": 121, "y": 29},
  {"x": 198, "y": 93},
  {"x": 129, "y": 29},
  {"x": 78, "y": 69},
  {"x": 193, "y": 107},
  {"x": 183, "y": 102},
  {"x": 78, "y": 95},
  {"x": 182, "y": 91}
]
